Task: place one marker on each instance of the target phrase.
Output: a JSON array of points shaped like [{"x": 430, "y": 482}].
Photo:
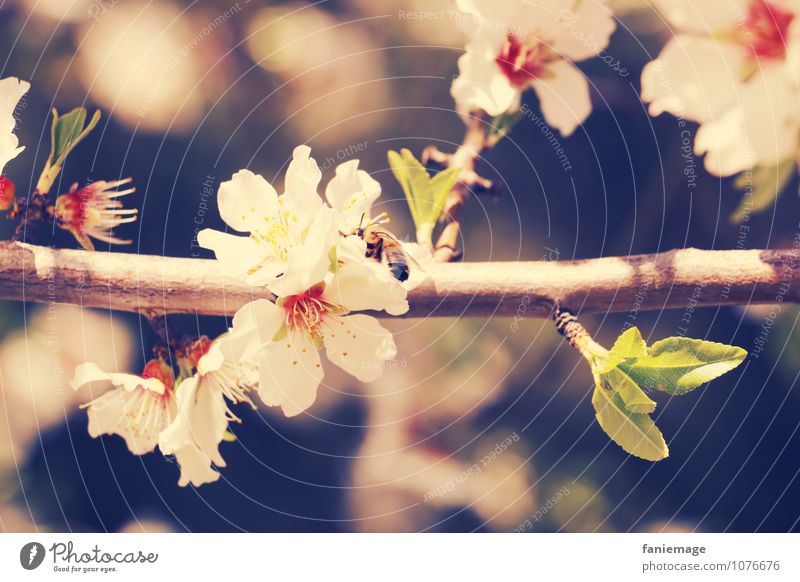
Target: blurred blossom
[
  {"x": 731, "y": 67},
  {"x": 514, "y": 46},
  {"x": 146, "y": 526},
  {"x": 404, "y": 476},
  {"x": 142, "y": 62},
  {"x": 670, "y": 527},
  {"x": 36, "y": 365},
  {"x": 64, "y": 11},
  {"x": 584, "y": 510},
  {"x": 329, "y": 67},
  {"x": 14, "y": 520}
]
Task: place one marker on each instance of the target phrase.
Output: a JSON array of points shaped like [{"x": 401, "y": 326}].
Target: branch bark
[
  {"x": 154, "y": 285},
  {"x": 465, "y": 157}
]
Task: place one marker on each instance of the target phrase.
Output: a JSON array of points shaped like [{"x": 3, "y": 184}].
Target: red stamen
[
  {"x": 521, "y": 61},
  {"x": 159, "y": 370},
  {"x": 306, "y": 310},
  {"x": 7, "y": 192},
  {"x": 197, "y": 349},
  {"x": 767, "y": 27}
]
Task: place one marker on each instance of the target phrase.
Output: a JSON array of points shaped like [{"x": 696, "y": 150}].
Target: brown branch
[
  {"x": 465, "y": 158},
  {"x": 675, "y": 279}
]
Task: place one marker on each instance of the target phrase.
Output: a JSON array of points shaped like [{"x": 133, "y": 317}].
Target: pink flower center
[
  {"x": 766, "y": 29},
  {"x": 523, "y": 61},
  {"x": 160, "y": 371},
  {"x": 72, "y": 206},
  {"x": 307, "y": 310},
  {"x": 7, "y": 192},
  {"x": 197, "y": 349}
]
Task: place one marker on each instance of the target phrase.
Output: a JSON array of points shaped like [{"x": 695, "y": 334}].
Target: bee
[{"x": 383, "y": 246}]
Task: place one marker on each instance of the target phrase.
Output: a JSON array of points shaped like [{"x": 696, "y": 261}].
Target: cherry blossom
[
  {"x": 729, "y": 68},
  {"x": 287, "y": 335},
  {"x": 94, "y": 211},
  {"x": 137, "y": 409},
  {"x": 288, "y": 236},
  {"x": 516, "y": 45},
  {"x": 203, "y": 415}
]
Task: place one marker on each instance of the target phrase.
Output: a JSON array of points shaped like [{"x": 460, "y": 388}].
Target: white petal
[
  {"x": 88, "y": 372},
  {"x": 290, "y": 373},
  {"x": 583, "y": 32},
  {"x": 211, "y": 361},
  {"x": 195, "y": 468},
  {"x": 238, "y": 255},
  {"x": 704, "y": 16},
  {"x": 302, "y": 179},
  {"x": 359, "y": 345},
  {"x": 351, "y": 194},
  {"x": 11, "y": 91},
  {"x": 694, "y": 78},
  {"x": 195, "y": 434},
  {"x": 137, "y": 416},
  {"x": 260, "y": 317},
  {"x": 363, "y": 283},
  {"x": 245, "y": 200},
  {"x": 763, "y": 130},
  {"x": 482, "y": 85},
  {"x": 255, "y": 324},
  {"x": 486, "y": 24},
  {"x": 564, "y": 97},
  {"x": 307, "y": 263}
]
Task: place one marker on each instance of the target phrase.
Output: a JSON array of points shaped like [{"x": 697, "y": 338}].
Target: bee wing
[{"x": 408, "y": 255}]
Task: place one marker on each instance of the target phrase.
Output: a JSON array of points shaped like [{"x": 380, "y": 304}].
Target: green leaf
[
  {"x": 426, "y": 195},
  {"x": 633, "y": 397},
  {"x": 66, "y": 129},
  {"x": 440, "y": 186},
  {"x": 677, "y": 365},
  {"x": 765, "y": 183},
  {"x": 66, "y": 132},
  {"x": 635, "y": 433},
  {"x": 629, "y": 344}
]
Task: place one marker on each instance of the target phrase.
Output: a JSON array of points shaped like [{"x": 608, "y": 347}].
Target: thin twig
[
  {"x": 465, "y": 157},
  {"x": 675, "y": 279}
]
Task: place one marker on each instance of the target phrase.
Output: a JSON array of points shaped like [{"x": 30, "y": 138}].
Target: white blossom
[
  {"x": 138, "y": 408},
  {"x": 287, "y": 336},
  {"x": 288, "y": 236},
  {"x": 515, "y": 45},
  {"x": 203, "y": 415},
  {"x": 729, "y": 68}
]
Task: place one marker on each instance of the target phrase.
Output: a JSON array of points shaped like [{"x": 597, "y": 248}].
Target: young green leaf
[
  {"x": 677, "y": 365},
  {"x": 629, "y": 344},
  {"x": 426, "y": 195},
  {"x": 635, "y": 433},
  {"x": 764, "y": 184},
  {"x": 440, "y": 186},
  {"x": 633, "y": 397},
  {"x": 66, "y": 132}
]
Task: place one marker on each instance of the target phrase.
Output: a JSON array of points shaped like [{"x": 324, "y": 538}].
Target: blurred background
[{"x": 480, "y": 424}]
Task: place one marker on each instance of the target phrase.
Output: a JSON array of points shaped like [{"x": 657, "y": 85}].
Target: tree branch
[
  {"x": 155, "y": 285},
  {"x": 465, "y": 157}
]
